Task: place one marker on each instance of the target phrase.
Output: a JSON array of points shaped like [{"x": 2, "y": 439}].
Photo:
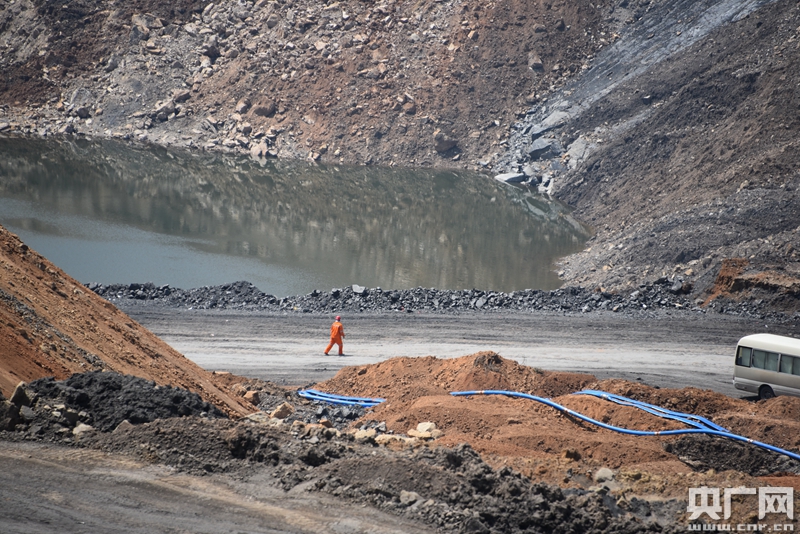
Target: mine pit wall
[
  {"x": 677, "y": 147},
  {"x": 664, "y": 124}
]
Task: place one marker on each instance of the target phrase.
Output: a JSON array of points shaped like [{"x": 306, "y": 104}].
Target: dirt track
[
  {"x": 673, "y": 350},
  {"x": 124, "y": 495}
]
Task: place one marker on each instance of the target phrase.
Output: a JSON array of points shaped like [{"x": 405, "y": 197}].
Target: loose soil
[{"x": 492, "y": 464}]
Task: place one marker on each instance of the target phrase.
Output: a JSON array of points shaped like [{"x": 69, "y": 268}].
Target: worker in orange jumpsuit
[{"x": 337, "y": 336}]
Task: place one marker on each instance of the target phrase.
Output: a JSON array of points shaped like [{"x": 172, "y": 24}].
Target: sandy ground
[{"x": 685, "y": 349}]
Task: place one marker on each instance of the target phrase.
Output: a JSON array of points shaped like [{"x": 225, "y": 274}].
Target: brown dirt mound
[
  {"x": 50, "y": 325},
  {"x": 404, "y": 378},
  {"x": 538, "y": 440},
  {"x": 773, "y": 421}
]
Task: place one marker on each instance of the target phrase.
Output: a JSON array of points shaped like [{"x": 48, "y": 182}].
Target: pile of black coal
[{"x": 60, "y": 409}]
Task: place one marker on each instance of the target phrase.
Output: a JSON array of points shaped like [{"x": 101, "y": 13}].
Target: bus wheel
[{"x": 765, "y": 392}]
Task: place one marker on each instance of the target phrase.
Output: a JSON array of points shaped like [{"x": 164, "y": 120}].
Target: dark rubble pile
[
  {"x": 702, "y": 453},
  {"x": 455, "y": 490},
  {"x": 271, "y": 398},
  {"x": 663, "y": 294},
  {"x": 450, "y": 489},
  {"x": 63, "y": 409},
  {"x": 243, "y": 295}
]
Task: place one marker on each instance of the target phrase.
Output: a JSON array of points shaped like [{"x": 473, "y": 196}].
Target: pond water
[{"x": 114, "y": 212}]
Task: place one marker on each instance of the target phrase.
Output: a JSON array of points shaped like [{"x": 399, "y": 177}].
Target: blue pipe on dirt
[
  {"x": 331, "y": 398},
  {"x": 587, "y": 419},
  {"x": 687, "y": 418}
]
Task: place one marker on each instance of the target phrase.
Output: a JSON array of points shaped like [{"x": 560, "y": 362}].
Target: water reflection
[{"x": 112, "y": 212}]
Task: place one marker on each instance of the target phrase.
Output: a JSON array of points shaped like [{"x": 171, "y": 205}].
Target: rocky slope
[
  {"x": 410, "y": 83},
  {"x": 671, "y": 127},
  {"x": 688, "y": 167}
]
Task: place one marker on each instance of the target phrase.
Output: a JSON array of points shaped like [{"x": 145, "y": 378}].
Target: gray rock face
[
  {"x": 540, "y": 148},
  {"x": 578, "y": 151}
]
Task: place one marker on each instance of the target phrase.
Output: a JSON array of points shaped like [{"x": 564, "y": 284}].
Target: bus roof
[{"x": 771, "y": 342}]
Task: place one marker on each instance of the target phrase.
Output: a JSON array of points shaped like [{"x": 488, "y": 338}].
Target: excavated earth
[
  {"x": 422, "y": 459},
  {"x": 671, "y": 127}
]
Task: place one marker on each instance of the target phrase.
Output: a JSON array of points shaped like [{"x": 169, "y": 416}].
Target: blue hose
[
  {"x": 331, "y": 398},
  {"x": 548, "y": 402},
  {"x": 686, "y": 418}
]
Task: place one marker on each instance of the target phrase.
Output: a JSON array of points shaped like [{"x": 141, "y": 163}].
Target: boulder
[
  {"x": 163, "y": 110},
  {"x": 210, "y": 49},
  {"x": 443, "y": 142},
  {"x": 259, "y": 150},
  {"x": 359, "y": 290},
  {"x": 266, "y": 109},
  {"x": 21, "y": 397},
  {"x": 273, "y": 20},
  {"x": 539, "y": 148},
  {"x": 252, "y": 397},
  {"x": 83, "y": 112},
  {"x": 534, "y": 61},
  {"x": 123, "y": 426},
  {"x": 112, "y": 63},
  {"x": 282, "y": 412},
  {"x": 604, "y": 474},
  {"x": 9, "y": 415},
  {"x": 407, "y": 498},
  {"x": 414, "y": 433},
  {"x": 427, "y": 426},
  {"x": 81, "y": 428},
  {"x": 365, "y": 435},
  {"x": 181, "y": 95}
]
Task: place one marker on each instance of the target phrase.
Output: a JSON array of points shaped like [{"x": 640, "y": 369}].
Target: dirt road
[
  {"x": 683, "y": 349},
  {"x": 122, "y": 495}
]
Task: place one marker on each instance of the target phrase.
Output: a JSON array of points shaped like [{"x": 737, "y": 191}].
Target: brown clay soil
[{"x": 538, "y": 440}]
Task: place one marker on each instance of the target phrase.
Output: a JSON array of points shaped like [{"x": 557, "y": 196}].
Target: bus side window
[
  {"x": 787, "y": 364},
  {"x": 796, "y": 366},
  {"x": 743, "y": 358},
  {"x": 759, "y": 359},
  {"x": 771, "y": 363}
]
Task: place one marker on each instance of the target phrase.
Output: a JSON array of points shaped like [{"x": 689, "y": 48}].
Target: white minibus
[{"x": 768, "y": 365}]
